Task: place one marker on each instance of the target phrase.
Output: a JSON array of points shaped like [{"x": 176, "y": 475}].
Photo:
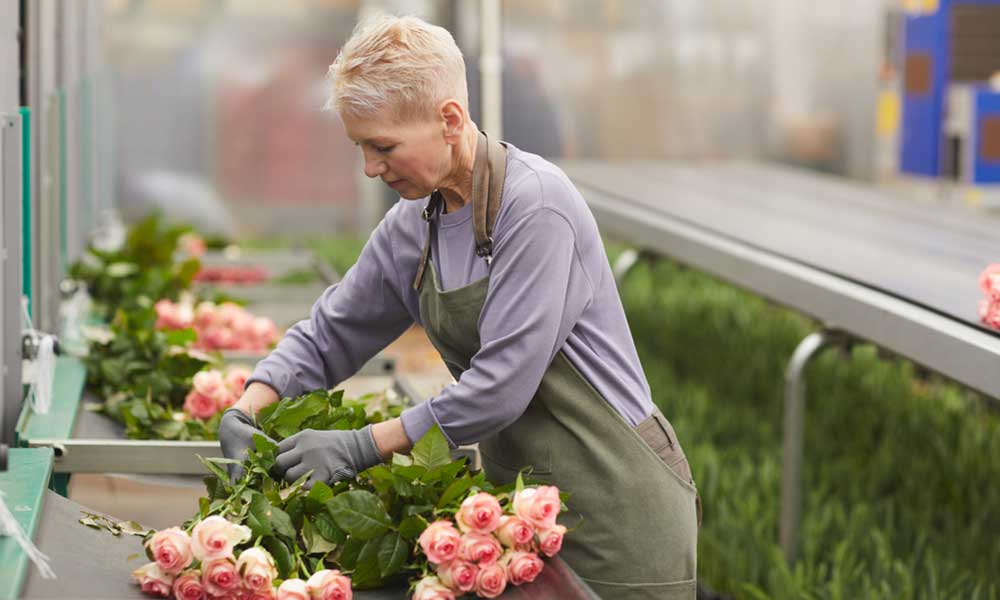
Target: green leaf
[
  {"x": 455, "y": 491},
  {"x": 360, "y": 514},
  {"x": 391, "y": 553},
  {"x": 366, "y": 572},
  {"x": 326, "y": 527},
  {"x": 283, "y": 558},
  {"x": 412, "y": 527},
  {"x": 320, "y": 492},
  {"x": 281, "y": 523},
  {"x": 259, "y": 517},
  {"x": 168, "y": 430},
  {"x": 213, "y": 466},
  {"x": 203, "y": 507},
  {"x": 432, "y": 450},
  {"x": 314, "y": 542},
  {"x": 349, "y": 553},
  {"x": 180, "y": 337},
  {"x": 121, "y": 269},
  {"x": 401, "y": 460}
]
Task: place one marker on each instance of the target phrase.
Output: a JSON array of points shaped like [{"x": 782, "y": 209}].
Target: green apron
[{"x": 631, "y": 491}]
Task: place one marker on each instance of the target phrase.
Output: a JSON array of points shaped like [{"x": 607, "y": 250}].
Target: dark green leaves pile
[
  {"x": 366, "y": 527},
  {"x": 143, "y": 267},
  {"x": 143, "y": 374}
]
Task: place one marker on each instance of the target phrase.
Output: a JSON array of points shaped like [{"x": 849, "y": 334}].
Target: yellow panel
[{"x": 887, "y": 119}]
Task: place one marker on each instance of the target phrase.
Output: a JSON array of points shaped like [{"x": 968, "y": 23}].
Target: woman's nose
[{"x": 374, "y": 167}]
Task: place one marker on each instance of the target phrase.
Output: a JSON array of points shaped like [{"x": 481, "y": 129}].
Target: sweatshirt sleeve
[
  {"x": 350, "y": 322},
  {"x": 537, "y": 292}
]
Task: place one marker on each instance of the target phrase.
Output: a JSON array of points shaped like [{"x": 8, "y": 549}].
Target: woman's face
[{"x": 411, "y": 157}]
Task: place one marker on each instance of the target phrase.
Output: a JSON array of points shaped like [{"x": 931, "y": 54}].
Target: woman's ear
[{"x": 452, "y": 120}]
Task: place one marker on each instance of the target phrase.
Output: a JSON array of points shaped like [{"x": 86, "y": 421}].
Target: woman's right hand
[{"x": 236, "y": 431}]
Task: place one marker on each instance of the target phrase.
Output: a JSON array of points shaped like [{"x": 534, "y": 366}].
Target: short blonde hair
[{"x": 401, "y": 63}]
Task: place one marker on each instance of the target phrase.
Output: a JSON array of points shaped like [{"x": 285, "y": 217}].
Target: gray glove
[
  {"x": 332, "y": 456},
  {"x": 236, "y": 431}
]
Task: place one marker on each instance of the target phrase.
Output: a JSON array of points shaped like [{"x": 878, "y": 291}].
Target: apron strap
[
  {"x": 487, "y": 192},
  {"x": 488, "y": 173}
]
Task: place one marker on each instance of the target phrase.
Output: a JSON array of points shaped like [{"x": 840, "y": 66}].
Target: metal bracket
[
  {"x": 128, "y": 456},
  {"x": 625, "y": 261},
  {"x": 795, "y": 398}
]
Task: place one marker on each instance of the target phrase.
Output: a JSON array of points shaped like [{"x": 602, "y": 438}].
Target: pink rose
[
  {"x": 329, "y": 584},
  {"x": 482, "y": 548},
  {"x": 188, "y": 586},
  {"x": 430, "y": 588},
  {"x": 293, "y": 589},
  {"x": 152, "y": 580},
  {"x": 204, "y": 314},
  {"x": 215, "y": 537},
  {"x": 439, "y": 542},
  {"x": 219, "y": 576},
  {"x": 200, "y": 406},
  {"x": 479, "y": 513},
  {"x": 514, "y": 531},
  {"x": 539, "y": 506},
  {"x": 267, "y": 594},
  {"x": 989, "y": 281},
  {"x": 171, "y": 549},
  {"x": 522, "y": 567},
  {"x": 184, "y": 316},
  {"x": 236, "y": 379},
  {"x": 256, "y": 567},
  {"x": 166, "y": 314},
  {"x": 989, "y": 313},
  {"x": 208, "y": 383},
  {"x": 491, "y": 581},
  {"x": 192, "y": 244},
  {"x": 229, "y": 313},
  {"x": 458, "y": 575},
  {"x": 550, "y": 540}
]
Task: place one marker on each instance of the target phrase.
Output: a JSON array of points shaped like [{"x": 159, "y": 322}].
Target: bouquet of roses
[
  {"x": 488, "y": 546},
  {"x": 378, "y": 529},
  {"x": 989, "y": 308},
  {"x": 225, "y": 326}
]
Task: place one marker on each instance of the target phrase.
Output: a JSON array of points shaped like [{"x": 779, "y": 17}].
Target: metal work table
[
  {"x": 91, "y": 563},
  {"x": 864, "y": 262}
]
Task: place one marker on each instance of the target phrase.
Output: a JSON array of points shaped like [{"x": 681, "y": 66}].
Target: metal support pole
[
  {"x": 791, "y": 477},
  {"x": 625, "y": 261},
  {"x": 491, "y": 67}
]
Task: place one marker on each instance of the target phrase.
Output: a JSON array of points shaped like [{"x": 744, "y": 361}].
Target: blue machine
[{"x": 950, "y": 113}]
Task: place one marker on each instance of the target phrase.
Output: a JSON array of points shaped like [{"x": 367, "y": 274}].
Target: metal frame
[
  {"x": 953, "y": 348},
  {"x": 10, "y": 300}
]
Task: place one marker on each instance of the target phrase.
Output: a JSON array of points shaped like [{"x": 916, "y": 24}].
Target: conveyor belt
[
  {"x": 927, "y": 255},
  {"x": 91, "y": 563}
]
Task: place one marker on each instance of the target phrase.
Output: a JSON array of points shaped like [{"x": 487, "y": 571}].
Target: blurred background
[{"x": 224, "y": 96}]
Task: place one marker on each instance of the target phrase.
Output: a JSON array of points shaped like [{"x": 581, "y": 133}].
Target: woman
[{"x": 500, "y": 260}]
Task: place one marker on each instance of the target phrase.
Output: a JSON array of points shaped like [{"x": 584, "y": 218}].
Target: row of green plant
[{"x": 900, "y": 467}]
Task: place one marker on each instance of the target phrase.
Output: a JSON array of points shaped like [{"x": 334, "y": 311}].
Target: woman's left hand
[{"x": 331, "y": 455}]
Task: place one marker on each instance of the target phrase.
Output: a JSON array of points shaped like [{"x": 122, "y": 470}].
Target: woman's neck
[{"x": 456, "y": 189}]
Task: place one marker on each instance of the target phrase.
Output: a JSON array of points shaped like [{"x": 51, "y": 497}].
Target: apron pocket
[
  {"x": 657, "y": 433},
  {"x": 678, "y": 590}
]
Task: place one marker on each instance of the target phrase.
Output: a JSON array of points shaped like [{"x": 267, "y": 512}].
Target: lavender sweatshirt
[{"x": 550, "y": 289}]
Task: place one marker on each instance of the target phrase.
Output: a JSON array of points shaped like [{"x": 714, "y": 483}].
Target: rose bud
[
  {"x": 480, "y": 548},
  {"x": 219, "y": 577},
  {"x": 152, "y": 580},
  {"x": 439, "y": 542},
  {"x": 491, "y": 581},
  {"x": 329, "y": 584},
  {"x": 479, "y": 513},
  {"x": 171, "y": 549},
  {"x": 215, "y": 537},
  {"x": 458, "y": 575},
  {"x": 539, "y": 506},
  {"x": 550, "y": 540},
  {"x": 430, "y": 588},
  {"x": 188, "y": 586},
  {"x": 293, "y": 589},
  {"x": 522, "y": 567},
  {"x": 514, "y": 532},
  {"x": 256, "y": 568}
]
